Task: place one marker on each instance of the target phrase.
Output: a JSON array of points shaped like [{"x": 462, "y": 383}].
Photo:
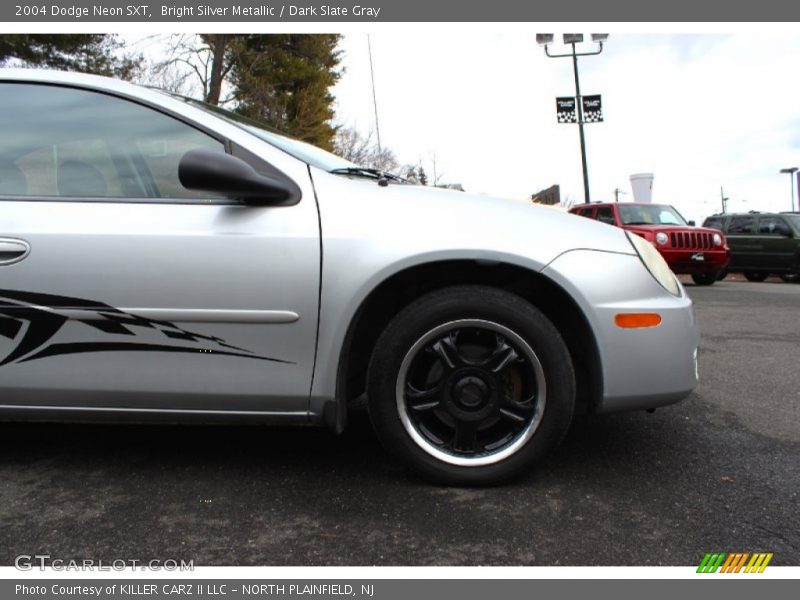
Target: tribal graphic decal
[{"x": 33, "y": 320}]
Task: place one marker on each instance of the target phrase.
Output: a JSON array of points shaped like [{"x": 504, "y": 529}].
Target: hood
[
  {"x": 432, "y": 220},
  {"x": 670, "y": 228}
]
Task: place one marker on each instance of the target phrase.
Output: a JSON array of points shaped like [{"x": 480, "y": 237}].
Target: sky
[{"x": 700, "y": 112}]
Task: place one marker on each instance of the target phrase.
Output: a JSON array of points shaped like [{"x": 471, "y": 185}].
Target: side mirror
[
  {"x": 220, "y": 173},
  {"x": 692, "y": 223}
]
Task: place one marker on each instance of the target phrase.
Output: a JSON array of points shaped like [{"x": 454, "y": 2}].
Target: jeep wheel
[
  {"x": 704, "y": 278},
  {"x": 790, "y": 277},
  {"x": 756, "y": 276},
  {"x": 470, "y": 385}
]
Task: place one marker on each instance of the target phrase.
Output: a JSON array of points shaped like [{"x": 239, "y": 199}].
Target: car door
[
  {"x": 743, "y": 242},
  {"x": 778, "y": 246},
  {"x": 121, "y": 289}
]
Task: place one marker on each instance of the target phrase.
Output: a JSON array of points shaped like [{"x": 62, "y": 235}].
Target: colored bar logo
[{"x": 735, "y": 562}]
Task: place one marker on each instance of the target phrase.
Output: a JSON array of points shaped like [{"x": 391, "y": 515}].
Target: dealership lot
[{"x": 718, "y": 472}]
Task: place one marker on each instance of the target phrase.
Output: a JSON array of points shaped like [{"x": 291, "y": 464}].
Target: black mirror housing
[{"x": 209, "y": 171}]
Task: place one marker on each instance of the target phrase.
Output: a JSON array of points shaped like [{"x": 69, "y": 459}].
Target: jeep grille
[{"x": 691, "y": 240}]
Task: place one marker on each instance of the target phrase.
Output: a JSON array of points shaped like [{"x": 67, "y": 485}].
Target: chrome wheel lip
[{"x": 488, "y": 458}]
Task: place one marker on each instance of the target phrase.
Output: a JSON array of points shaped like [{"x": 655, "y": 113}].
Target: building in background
[{"x": 550, "y": 196}]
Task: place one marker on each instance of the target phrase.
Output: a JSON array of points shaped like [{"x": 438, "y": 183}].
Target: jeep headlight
[
  {"x": 661, "y": 238},
  {"x": 655, "y": 263},
  {"x": 717, "y": 239}
]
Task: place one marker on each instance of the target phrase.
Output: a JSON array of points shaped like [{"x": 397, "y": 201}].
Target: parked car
[
  {"x": 699, "y": 252},
  {"x": 761, "y": 243},
  {"x": 162, "y": 259}
]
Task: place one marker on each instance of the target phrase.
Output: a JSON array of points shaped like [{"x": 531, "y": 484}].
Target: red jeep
[{"x": 699, "y": 251}]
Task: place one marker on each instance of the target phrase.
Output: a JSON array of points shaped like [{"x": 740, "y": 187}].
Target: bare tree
[
  {"x": 195, "y": 65},
  {"x": 170, "y": 78},
  {"x": 437, "y": 176},
  {"x": 362, "y": 150}
]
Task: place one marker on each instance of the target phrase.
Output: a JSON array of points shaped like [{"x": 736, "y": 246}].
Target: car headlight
[
  {"x": 655, "y": 263},
  {"x": 661, "y": 238},
  {"x": 717, "y": 239}
]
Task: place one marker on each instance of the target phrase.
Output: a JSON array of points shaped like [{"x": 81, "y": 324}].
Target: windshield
[
  {"x": 649, "y": 214},
  {"x": 308, "y": 153}
]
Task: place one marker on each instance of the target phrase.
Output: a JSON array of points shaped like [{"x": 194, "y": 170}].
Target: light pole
[
  {"x": 791, "y": 171},
  {"x": 571, "y": 39}
]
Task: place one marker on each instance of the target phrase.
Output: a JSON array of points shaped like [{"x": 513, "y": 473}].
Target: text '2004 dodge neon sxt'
[{"x": 161, "y": 259}]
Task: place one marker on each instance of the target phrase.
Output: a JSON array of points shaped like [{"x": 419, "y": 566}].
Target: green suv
[{"x": 761, "y": 243}]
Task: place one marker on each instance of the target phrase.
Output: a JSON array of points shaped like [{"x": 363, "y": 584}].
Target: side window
[
  {"x": 605, "y": 214},
  {"x": 773, "y": 226},
  {"x": 714, "y": 223},
  {"x": 70, "y": 143},
  {"x": 742, "y": 225}
]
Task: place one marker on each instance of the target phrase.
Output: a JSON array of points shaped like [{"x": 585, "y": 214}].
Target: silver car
[{"x": 165, "y": 260}]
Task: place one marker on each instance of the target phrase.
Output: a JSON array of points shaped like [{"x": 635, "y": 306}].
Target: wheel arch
[{"x": 395, "y": 292}]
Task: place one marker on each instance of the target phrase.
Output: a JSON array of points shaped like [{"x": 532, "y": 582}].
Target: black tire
[
  {"x": 442, "y": 354},
  {"x": 756, "y": 276},
  {"x": 722, "y": 274},
  {"x": 704, "y": 278},
  {"x": 790, "y": 277}
]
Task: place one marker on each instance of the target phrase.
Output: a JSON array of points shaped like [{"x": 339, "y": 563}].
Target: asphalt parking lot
[{"x": 718, "y": 472}]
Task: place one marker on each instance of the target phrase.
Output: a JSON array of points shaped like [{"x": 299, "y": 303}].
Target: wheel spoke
[
  {"x": 423, "y": 406},
  {"x": 422, "y": 400},
  {"x": 447, "y": 351},
  {"x": 501, "y": 357},
  {"x": 413, "y": 393},
  {"x": 518, "y": 411},
  {"x": 514, "y": 414},
  {"x": 465, "y": 439}
]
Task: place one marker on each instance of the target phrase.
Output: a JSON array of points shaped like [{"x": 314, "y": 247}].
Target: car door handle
[{"x": 12, "y": 251}]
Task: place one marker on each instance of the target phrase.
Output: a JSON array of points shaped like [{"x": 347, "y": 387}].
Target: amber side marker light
[{"x": 636, "y": 320}]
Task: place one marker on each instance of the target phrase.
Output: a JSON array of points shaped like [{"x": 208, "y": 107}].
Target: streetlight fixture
[
  {"x": 571, "y": 39},
  {"x": 791, "y": 171}
]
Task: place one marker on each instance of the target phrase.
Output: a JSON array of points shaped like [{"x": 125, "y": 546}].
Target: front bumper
[
  {"x": 696, "y": 261},
  {"x": 641, "y": 368}
]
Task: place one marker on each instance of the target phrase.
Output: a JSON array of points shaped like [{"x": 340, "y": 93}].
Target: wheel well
[{"x": 399, "y": 290}]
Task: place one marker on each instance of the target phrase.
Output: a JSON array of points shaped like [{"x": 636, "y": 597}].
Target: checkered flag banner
[
  {"x": 566, "y": 109},
  {"x": 592, "y": 109}
]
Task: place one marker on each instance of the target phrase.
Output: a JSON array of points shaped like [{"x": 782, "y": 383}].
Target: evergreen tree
[
  {"x": 285, "y": 79},
  {"x": 86, "y": 52}
]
